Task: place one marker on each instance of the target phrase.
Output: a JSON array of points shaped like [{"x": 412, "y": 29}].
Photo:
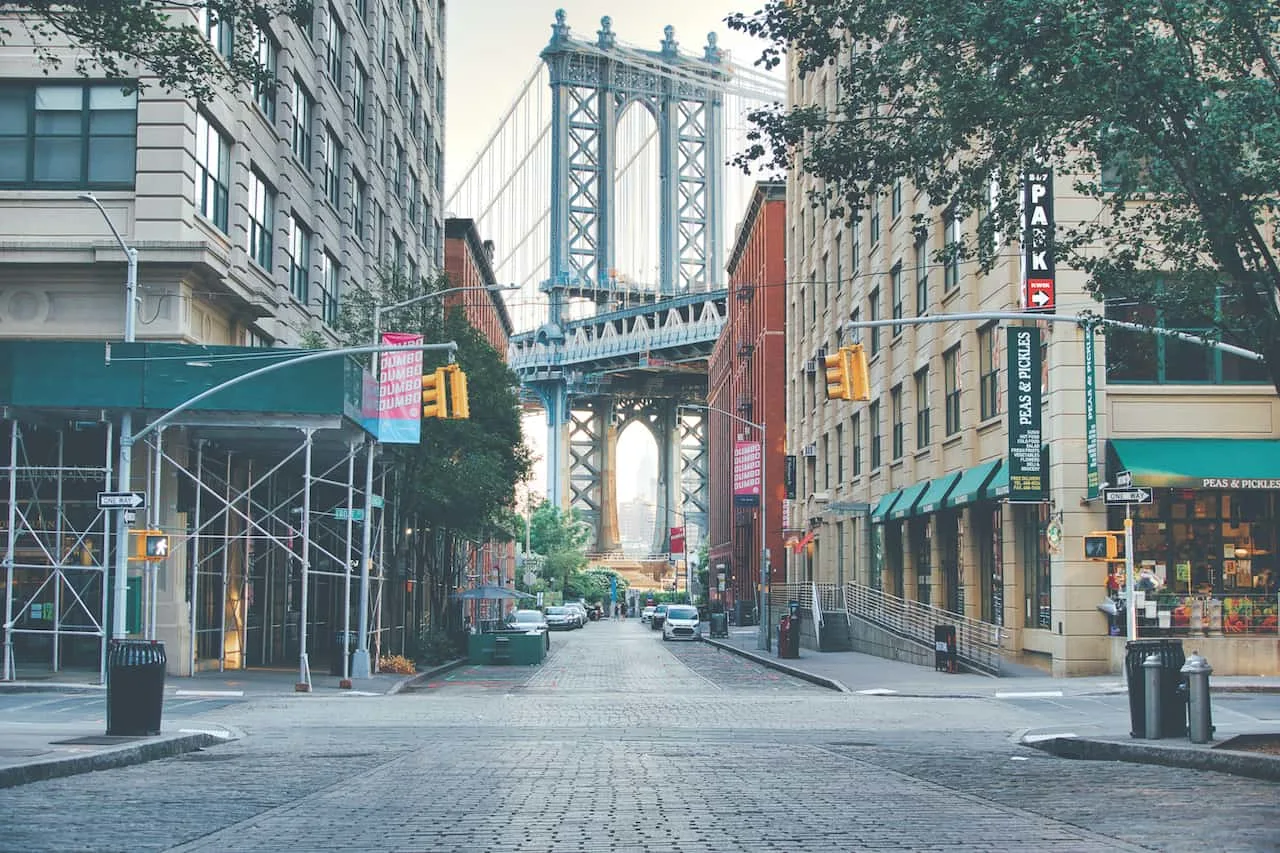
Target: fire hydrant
[
  {"x": 1199, "y": 716},
  {"x": 1152, "y": 677}
]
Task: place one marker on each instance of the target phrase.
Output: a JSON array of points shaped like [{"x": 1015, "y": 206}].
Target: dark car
[{"x": 659, "y": 616}]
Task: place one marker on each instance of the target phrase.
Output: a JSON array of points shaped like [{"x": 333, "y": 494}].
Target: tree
[
  {"x": 561, "y": 537},
  {"x": 1168, "y": 111},
  {"x": 125, "y": 39}
]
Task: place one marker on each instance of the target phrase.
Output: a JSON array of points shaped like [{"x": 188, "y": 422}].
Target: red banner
[
  {"x": 747, "y": 461},
  {"x": 677, "y": 540}
]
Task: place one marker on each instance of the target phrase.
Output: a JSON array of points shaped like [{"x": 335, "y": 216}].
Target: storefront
[{"x": 1204, "y": 549}]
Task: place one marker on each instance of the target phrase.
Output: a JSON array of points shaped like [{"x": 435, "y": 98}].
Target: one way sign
[
  {"x": 122, "y": 500},
  {"x": 1131, "y": 495}
]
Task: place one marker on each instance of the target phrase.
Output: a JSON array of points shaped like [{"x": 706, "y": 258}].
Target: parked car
[
  {"x": 580, "y": 610},
  {"x": 659, "y": 615},
  {"x": 646, "y": 615},
  {"x": 559, "y": 616},
  {"x": 527, "y": 620},
  {"x": 681, "y": 623}
]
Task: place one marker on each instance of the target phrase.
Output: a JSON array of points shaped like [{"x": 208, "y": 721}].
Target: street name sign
[
  {"x": 122, "y": 500},
  {"x": 1133, "y": 495},
  {"x": 341, "y": 514}
]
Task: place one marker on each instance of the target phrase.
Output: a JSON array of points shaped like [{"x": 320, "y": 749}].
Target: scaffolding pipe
[
  {"x": 195, "y": 557},
  {"x": 242, "y": 606},
  {"x": 346, "y": 574},
  {"x": 106, "y": 549},
  {"x": 62, "y": 558},
  {"x": 304, "y": 670},
  {"x": 226, "y": 553},
  {"x": 9, "y": 673},
  {"x": 360, "y": 663}
]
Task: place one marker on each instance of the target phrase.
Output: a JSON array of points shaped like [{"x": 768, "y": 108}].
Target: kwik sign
[{"x": 1040, "y": 292}]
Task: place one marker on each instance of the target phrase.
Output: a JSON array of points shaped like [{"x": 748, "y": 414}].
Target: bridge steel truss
[{"x": 258, "y": 544}]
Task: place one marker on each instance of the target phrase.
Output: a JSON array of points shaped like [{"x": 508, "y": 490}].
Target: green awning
[
  {"x": 883, "y": 507},
  {"x": 972, "y": 481},
  {"x": 931, "y": 500},
  {"x": 1198, "y": 463},
  {"x": 906, "y": 504},
  {"x": 997, "y": 486}
]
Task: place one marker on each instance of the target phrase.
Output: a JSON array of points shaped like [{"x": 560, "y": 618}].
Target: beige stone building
[{"x": 909, "y": 492}]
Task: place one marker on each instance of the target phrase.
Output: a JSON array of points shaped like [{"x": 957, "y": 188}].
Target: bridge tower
[{"x": 592, "y": 85}]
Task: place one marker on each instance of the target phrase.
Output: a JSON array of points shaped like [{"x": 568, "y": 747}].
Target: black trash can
[
  {"x": 135, "y": 687},
  {"x": 719, "y": 624},
  {"x": 1173, "y": 699},
  {"x": 335, "y": 655},
  {"x": 944, "y": 648}
]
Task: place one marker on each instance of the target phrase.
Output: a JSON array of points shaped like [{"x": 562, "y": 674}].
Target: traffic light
[
  {"x": 151, "y": 545},
  {"x": 433, "y": 402},
  {"x": 1104, "y": 545},
  {"x": 459, "y": 405},
  {"x": 859, "y": 376},
  {"x": 837, "y": 366}
]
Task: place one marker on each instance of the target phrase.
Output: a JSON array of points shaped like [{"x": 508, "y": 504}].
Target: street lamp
[
  {"x": 762, "y": 597},
  {"x": 124, "y": 461},
  {"x": 360, "y": 667}
]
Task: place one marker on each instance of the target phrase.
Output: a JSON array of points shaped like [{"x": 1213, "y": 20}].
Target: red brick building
[
  {"x": 468, "y": 261},
  {"x": 746, "y": 376}
]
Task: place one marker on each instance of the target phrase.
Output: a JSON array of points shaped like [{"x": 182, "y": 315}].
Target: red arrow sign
[{"x": 1040, "y": 294}]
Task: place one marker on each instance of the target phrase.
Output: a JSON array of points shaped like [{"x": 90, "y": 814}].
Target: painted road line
[
  {"x": 222, "y": 733},
  {"x": 877, "y": 691},
  {"x": 1030, "y": 694},
  {"x": 208, "y": 693},
  {"x": 1038, "y": 738}
]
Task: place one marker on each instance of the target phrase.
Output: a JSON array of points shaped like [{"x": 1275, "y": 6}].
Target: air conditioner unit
[
  {"x": 820, "y": 497},
  {"x": 811, "y": 449},
  {"x": 811, "y": 367}
]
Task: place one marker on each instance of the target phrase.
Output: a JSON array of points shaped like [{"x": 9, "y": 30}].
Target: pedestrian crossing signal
[
  {"x": 151, "y": 545},
  {"x": 1104, "y": 546}
]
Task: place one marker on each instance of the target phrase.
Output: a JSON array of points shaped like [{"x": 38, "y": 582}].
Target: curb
[
  {"x": 820, "y": 680},
  {"x": 426, "y": 675},
  {"x": 50, "y": 687},
  {"x": 123, "y": 756},
  {"x": 1250, "y": 764}
]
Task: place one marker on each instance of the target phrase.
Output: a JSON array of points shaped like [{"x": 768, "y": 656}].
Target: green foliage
[
  {"x": 114, "y": 39},
  {"x": 1176, "y": 103},
  {"x": 592, "y": 585},
  {"x": 436, "y": 646}
]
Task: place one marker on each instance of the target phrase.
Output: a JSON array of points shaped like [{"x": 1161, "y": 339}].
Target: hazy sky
[{"x": 491, "y": 50}]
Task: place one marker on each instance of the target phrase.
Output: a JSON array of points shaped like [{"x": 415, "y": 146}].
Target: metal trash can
[
  {"x": 944, "y": 648},
  {"x": 719, "y": 624},
  {"x": 335, "y": 655},
  {"x": 135, "y": 687},
  {"x": 1173, "y": 698}
]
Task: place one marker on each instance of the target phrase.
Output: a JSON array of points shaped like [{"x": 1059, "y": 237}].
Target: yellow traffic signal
[
  {"x": 1104, "y": 545},
  {"x": 856, "y": 368},
  {"x": 837, "y": 366},
  {"x": 459, "y": 405},
  {"x": 433, "y": 402},
  {"x": 150, "y": 545}
]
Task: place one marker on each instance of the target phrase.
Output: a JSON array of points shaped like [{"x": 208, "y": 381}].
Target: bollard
[
  {"x": 1199, "y": 718},
  {"x": 1152, "y": 665}
]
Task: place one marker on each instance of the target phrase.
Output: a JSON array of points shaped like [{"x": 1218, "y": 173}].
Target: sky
[{"x": 491, "y": 49}]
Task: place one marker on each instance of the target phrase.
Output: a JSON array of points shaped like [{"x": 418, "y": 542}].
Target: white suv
[{"x": 681, "y": 623}]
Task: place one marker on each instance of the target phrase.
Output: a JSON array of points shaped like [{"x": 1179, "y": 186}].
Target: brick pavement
[{"x": 605, "y": 756}]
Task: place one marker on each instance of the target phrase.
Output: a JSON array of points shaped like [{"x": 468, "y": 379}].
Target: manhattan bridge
[{"x": 605, "y": 190}]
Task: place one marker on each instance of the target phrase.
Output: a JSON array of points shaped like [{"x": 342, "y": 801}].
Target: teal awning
[
  {"x": 997, "y": 486},
  {"x": 1199, "y": 463},
  {"x": 882, "y": 508},
  {"x": 906, "y": 504},
  {"x": 969, "y": 488},
  {"x": 931, "y": 500}
]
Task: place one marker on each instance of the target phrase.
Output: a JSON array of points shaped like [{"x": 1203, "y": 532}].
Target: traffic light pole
[{"x": 1131, "y": 618}]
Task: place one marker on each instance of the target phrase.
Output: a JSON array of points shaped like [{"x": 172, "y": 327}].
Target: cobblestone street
[{"x": 623, "y": 742}]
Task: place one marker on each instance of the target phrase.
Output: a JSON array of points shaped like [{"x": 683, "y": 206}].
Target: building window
[
  {"x": 333, "y": 48},
  {"x": 1141, "y": 357},
  {"x": 67, "y": 137},
  {"x": 219, "y": 32},
  {"x": 359, "y": 84},
  {"x": 855, "y": 433},
  {"x": 895, "y": 201},
  {"x": 895, "y": 287},
  {"x": 839, "y": 262},
  {"x": 359, "y": 200},
  {"x": 439, "y": 171},
  {"x": 330, "y": 276},
  {"x": 873, "y": 416},
  {"x": 399, "y": 71},
  {"x": 855, "y": 248},
  {"x": 299, "y": 255},
  {"x": 826, "y": 461},
  {"x": 922, "y": 277},
  {"x": 839, "y": 453},
  {"x": 873, "y": 313},
  {"x": 899, "y": 429},
  {"x": 951, "y": 242},
  {"x": 362, "y": 10},
  {"x": 302, "y": 109},
  {"x": 397, "y": 252},
  {"x": 923, "y": 437},
  {"x": 951, "y": 388},
  {"x": 426, "y": 223},
  {"x": 874, "y": 221},
  {"x": 213, "y": 172},
  {"x": 264, "y": 91},
  {"x": 332, "y": 167},
  {"x": 262, "y": 215},
  {"x": 400, "y": 170},
  {"x": 414, "y": 192},
  {"x": 1036, "y": 581},
  {"x": 415, "y": 115},
  {"x": 988, "y": 373}
]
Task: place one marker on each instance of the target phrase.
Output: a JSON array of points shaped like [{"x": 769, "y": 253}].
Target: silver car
[
  {"x": 561, "y": 617},
  {"x": 681, "y": 623},
  {"x": 580, "y": 610}
]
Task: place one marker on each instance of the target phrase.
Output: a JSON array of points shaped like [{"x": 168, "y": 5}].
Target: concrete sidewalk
[
  {"x": 868, "y": 675},
  {"x": 34, "y": 750}
]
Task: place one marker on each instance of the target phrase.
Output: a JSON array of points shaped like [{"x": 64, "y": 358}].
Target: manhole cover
[{"x": 97, "y": 740}]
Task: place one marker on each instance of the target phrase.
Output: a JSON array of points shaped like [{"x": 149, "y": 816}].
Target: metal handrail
[{"x": 977, "y": 642}]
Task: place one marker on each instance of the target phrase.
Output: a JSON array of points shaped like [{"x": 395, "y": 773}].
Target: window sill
[
  {"x": 921, "y": 454},
  {"x": 990, "y": 423},
  {"x": 952, "y": 440},
  {"x": 951, "y": 294}
]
